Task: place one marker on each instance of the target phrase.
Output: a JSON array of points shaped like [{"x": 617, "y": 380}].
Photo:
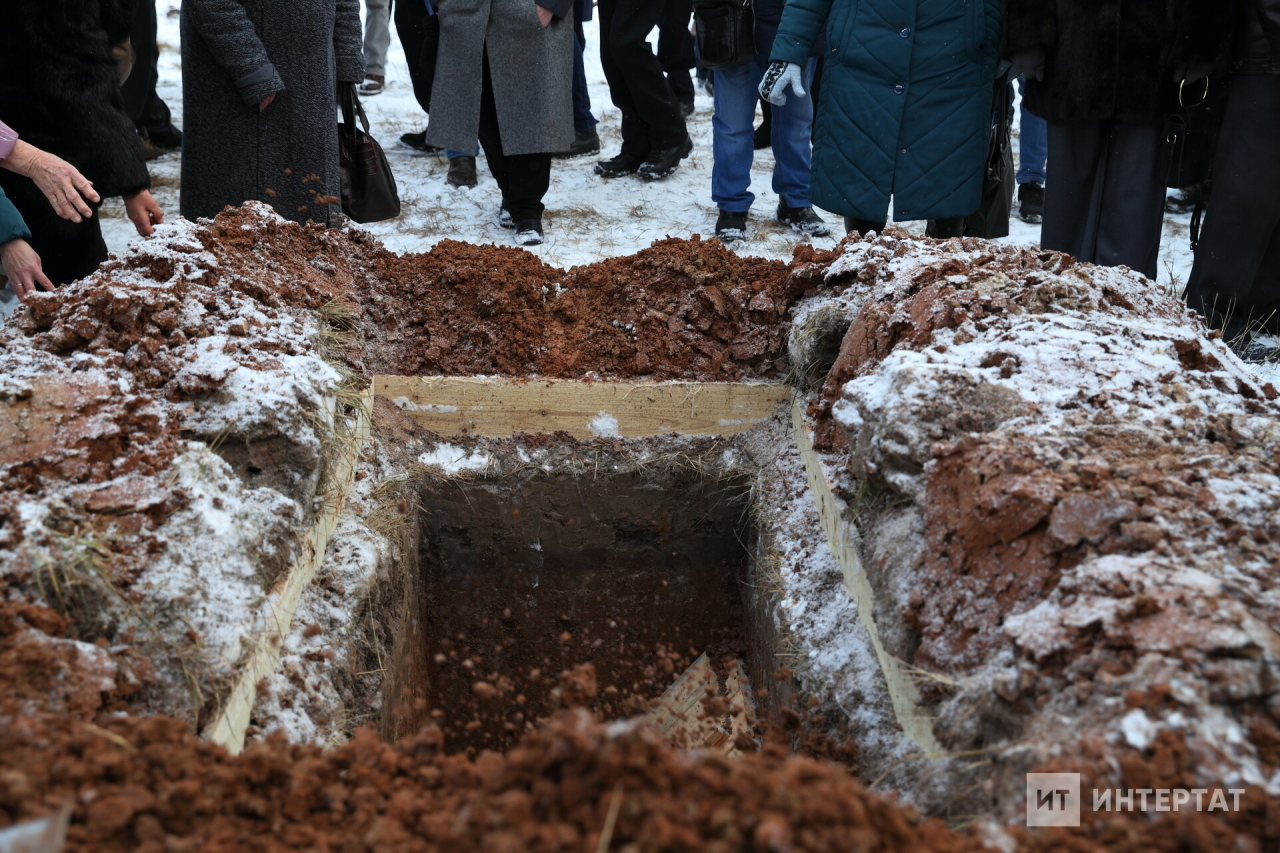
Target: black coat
[
  {"x": 1114, "y": 59},
  {"x": 1257, "y": 47},
  {"x": 60, "y": 89}
]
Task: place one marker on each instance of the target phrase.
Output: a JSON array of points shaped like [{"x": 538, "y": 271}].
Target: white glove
[{"x": 777, "y": 77}]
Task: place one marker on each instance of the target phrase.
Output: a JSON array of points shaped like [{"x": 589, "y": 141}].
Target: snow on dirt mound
[
  {"x": 138, "y": 405},
  {"x": 1083, "y": 499}
]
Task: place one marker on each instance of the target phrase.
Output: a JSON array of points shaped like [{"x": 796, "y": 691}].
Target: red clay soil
[{"x": 680, "y": 309}]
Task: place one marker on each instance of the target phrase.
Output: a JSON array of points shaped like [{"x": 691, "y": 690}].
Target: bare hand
[
  {"x": 60, "y": 182},
  {"x": 22, "y": 265},
  {"x": 143, "y": 212},
  {"x": 544, "y": 16},
  {"x": 266, "y": 102}
]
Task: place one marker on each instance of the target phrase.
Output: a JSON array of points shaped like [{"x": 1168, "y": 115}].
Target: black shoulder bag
[
  {"x": 725, "y": 32},
  {"x": 369, "y": 192}
]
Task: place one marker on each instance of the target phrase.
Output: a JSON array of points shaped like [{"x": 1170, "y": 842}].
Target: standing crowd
[{"x": 871, "y": 107}]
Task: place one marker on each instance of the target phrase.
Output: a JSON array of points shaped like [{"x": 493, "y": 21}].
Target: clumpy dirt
[{"x": 679, "y": 309}]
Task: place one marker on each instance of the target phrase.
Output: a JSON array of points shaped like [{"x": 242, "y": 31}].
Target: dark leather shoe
[
  {"x": 462, "y": 172},
  {"x": 616, "y": 167},
  {"x": 417, "y": 142},
  {"x": 662, "y": 162},
  {"x": 1031, "y": 202},
  {"x": 584, "y": 142}
]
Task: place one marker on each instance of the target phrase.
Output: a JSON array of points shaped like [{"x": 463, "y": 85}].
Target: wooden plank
[
  {"x": 460, "y": 405},
  {"x": 841, "y": 536},
  {"x": 263, "y": 650}
]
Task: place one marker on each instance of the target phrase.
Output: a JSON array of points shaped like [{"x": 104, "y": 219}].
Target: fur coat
[
  {"x": 235, "y": 53},
  {"x": 1114, "y": 59},
  {"x": 60, "y": 90}
]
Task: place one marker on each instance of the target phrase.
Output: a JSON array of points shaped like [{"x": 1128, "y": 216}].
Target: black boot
[
  {"x": 1031, "y": 202},
  {"x": 417, "y": 142},
  {"x": 462, "y": 172},
  {"x": 863, "y": 226},
  {"x": 616, "y": 167},
  {"x": 584, "y": 142},
  {"x": 662, "y": 162},
  {"x": 731, "y": 227},
  {"x": 803, "y": 220},
  {"x": 528, "y": 232}
]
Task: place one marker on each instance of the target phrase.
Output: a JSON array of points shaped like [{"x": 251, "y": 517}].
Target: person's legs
[
  {"x": 635, "y": 133},
  {"x": 583, "y": 120},
  {"x": 650, "y": 112},
  {"x": 790, "y": 134},
  {"x": 491, "y": 134},
  {"x": 1131, "y": 215},
  {"x": 1033, "y": 143},
  {"x": 415, "y": 28},
  {"x": 676, "y": 48},
  {"x": 735, "y": 109},
  {"x": 1077, "y": 153},
  {"x": 147, "y": 109},
  {"x": 377, "y": 36},
  {"x": 529, "y": 176},
  {"x": 1236, "y": 276}
]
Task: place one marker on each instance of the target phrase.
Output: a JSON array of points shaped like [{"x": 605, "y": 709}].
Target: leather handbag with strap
[
  {"x": 369, "y": 192},
  {"x": 1191, "y": 133}
]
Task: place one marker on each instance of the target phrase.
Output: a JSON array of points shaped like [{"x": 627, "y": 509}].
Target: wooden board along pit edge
[
  {"x": 262, "y": 651},
  {"x": 460, "y": 405}
]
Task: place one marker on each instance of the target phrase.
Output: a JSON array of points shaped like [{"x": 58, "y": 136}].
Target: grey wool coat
[
  {"x": 532, "y": 69},
  {"x": 234, "y": 54}
]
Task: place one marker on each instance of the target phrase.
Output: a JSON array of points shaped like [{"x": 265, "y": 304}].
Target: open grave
[{"x": 310, "y": 546}]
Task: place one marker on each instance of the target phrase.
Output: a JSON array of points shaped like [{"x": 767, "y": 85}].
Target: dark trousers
[
  {"x": 141, "y": 102},
  {"x": 1235, "y": 281},
  {"x": 650, "y": 112},
  {"x": 583, "y": 120},
  {"x": 67, "y": 250},
  {"x": 1104, "y": 194},
  {"x": 523, "y": 178},
  {"x": 676, "y": 52},
  {"x": 420, "y": 36}
]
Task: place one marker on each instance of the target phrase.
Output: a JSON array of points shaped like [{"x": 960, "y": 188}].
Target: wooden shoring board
[
  {"x": 904, "y": 695},
  {"x": 262, "y": 654},
  {"x": 462, "y": 405}
]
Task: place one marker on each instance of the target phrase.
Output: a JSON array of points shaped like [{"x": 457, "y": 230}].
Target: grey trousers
[
  {"x": 1104, "y": 194},
  {"x": 377, "y": 36},
  {"x": 1235, "y": 282}
]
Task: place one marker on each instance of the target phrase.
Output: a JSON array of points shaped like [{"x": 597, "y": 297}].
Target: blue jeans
[
  {"x": 1033, "y": 143},
  {"x": 735, "y": 111}
]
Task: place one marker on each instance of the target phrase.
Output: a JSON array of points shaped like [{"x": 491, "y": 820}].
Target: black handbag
[
  {"x": 369, "y": 192},
  {"x": 1191, "y": 133},
  {"x": 725, "y": 32}
]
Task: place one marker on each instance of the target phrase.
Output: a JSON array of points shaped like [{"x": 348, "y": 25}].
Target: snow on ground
[{"x": 587, "y": 218}]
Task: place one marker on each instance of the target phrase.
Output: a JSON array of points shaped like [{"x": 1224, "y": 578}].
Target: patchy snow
[
  {"x": 603, "y": 425},
  {"x": 452, "y": 459}
]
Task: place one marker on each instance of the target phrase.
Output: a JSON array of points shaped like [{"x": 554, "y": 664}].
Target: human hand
[
  {"x": 266, "y": 102},
  {"x": 60, "y": 182},
  {"x": 1030, "y": 62},
  {"x": 22, "y": 266},
  {"x": 777, "y": 77},
  {"x": 143, "y": 212},
  {"x": 544, "y": 16}
]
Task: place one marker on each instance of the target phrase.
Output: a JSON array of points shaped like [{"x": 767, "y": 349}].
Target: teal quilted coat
[{"x": 905, "y": 104}]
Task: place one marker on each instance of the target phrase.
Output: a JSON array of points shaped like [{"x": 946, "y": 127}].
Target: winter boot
[
  {"x": 462, "y": 172},
  {"x": 528, "y": 232},
  {"x": 1031, "y": 202},
  {"x": 616, "y": 167},
  {"x": 731, "y": 227},
  {"x": 662, "y": 162},
  {"x": 803, "y": 220},
  {"x": 584, "y": 142}
]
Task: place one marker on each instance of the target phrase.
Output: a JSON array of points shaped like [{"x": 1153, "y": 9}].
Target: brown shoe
[
  {"x": 462, "y": 172},
  {"x": 373, "y": 85}
]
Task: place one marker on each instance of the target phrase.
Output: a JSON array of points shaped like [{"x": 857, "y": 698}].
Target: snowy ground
[{"x": 587, "y": 219}]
